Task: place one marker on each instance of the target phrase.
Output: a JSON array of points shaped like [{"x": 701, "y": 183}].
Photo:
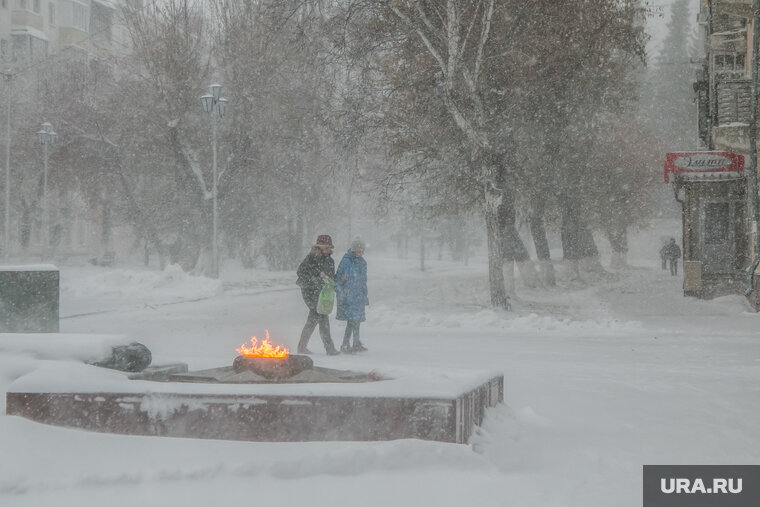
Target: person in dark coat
[
  {"x": 317, "y": 267},
  {"x": 671, "y": 252},
  {"x": 351, "y": 292}
]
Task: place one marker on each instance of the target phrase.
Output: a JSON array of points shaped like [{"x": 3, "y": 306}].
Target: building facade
[
  {"x": 34, "y": 34},
  {"x": 717, "y": 235},
  {"x": 34, "y": 29}
]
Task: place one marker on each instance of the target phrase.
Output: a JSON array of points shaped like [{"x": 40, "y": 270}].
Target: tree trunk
[
  {"x": 514, "y": 248},
  {"x": 618, "y": 238},
  {"x": 538, "y": 232},
  {"x": 106, "y": 224},
  {"x": 578, "y": 244},
  {"x": 422, "y": 246},
  {"x": 298, "y": 239},
  {"x": 590, "y": 261},
  {"x": 577, "y": 240},
  {"x": 146, "y": 253},
  {"x": 509, "y": 279},
  {"x": 25, "y": 225},
  {"x": 495, "y": 246},
  {"x": 141, "y": 221}
]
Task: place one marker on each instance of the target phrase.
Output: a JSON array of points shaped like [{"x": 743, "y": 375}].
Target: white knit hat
[{"x": 357, "y": 244}]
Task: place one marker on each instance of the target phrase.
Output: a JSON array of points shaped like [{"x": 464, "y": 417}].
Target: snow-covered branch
[
  {"x": 487, "y": 16},
  {"x": 190, "y": 157},
  {"x": 425, "y": 40}
]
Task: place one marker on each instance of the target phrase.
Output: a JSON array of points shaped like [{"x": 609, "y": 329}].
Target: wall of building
[{"x": 71, "y": 30}]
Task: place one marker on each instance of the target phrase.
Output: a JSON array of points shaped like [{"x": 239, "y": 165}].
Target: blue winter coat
[{"x": 352, "y": 292}]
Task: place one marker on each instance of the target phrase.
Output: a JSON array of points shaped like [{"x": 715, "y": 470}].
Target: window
[
  {"x": 729, "y": 65},
  {"x": 717, "y": 223},
  {"x": 4, "y": 4},
  {"x": 51, "y": 13},
  {"x": 74, "y": 14},
  {"x": 21, "y": 4},
  {"x": 38, "y": 47},
  {"x": 101, "y": 23},
  {"x": 28, "y": 46},
  {"x": 36, "y": 7},
  {"x": 80, "y": 16}
]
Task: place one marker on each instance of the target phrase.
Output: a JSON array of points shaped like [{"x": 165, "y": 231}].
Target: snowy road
[{"x": 599, "y": 381}]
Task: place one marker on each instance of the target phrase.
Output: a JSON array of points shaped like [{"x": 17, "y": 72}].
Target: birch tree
[
  {"x": 468, "y": 77},
  {"x": 456, "y": 38},
  {"x": 171, "y": 58},
  {"x": 275, "y": 54}
]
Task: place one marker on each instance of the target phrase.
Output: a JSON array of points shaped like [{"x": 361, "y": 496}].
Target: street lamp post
[
  {"x": 46, "y": 137},
  {"x": 7, "y": 239},
  {"x": 216, "y": 105}
]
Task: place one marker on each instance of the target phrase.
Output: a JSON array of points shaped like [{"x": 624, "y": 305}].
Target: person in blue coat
[{"x": 351, "y": 294}]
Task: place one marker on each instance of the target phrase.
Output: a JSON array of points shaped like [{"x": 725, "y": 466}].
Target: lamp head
[
  {"x": 221, "y": 106},
  {"x": 216, "y": 90},
  {"x": 207, "y": 101}
]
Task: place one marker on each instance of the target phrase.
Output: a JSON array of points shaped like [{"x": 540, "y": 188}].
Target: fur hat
[
  {"x": 357, "y": 244},
  {"x": 324, "y": 240}
]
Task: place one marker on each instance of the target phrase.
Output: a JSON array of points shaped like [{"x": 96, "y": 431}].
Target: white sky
[{"x": 657, "y": 24}]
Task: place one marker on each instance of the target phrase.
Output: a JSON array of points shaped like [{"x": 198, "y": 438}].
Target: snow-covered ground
[{"x": 599, "y": 380}]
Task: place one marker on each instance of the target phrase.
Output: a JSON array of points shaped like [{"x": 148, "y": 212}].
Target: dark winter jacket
[
  {"x": 308, "y": 275},
  {"x": 670, "y": 251},
  {"x": 352, "y": 292}
]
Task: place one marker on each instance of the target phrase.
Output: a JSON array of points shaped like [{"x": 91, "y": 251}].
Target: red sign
[{"x": 702, "y": 162}]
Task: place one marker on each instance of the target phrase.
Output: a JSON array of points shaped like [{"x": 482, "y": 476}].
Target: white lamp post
[
  {"x": 7, "y": 239},
  {"x": 216, "y": 105},
  {"x": 46, "y": 137}
]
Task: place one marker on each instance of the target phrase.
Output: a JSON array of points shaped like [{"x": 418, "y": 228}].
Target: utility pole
[{"x": 752, "y": 178}]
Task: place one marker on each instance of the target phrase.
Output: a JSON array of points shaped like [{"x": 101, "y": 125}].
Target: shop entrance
[{"x": 717, "y": 234}]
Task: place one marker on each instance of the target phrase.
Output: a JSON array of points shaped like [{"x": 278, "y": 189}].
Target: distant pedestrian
[
  {"x": 671, "y": 253},
  {"x": 317, "y": 268},
  {"x": 351, "y": 290}
]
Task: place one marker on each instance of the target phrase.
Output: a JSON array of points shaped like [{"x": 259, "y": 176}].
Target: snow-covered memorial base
[{"x": 328, "y": 405}]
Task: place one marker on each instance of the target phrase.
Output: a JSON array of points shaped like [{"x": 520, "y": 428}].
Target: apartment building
[
  {"x": 710, "y": 183},
  {"x": 35, "y": 34},
  {"x": 33, "y": 29}
]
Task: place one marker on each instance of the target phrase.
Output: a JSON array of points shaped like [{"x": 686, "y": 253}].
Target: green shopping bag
[{"x": 326, "y": 297}]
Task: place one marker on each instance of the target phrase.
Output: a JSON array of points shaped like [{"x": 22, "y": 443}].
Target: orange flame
[{"x": 263, "y": 350}]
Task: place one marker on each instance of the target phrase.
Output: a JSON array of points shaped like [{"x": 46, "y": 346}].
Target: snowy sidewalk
[{"x": 599, "y": 380}]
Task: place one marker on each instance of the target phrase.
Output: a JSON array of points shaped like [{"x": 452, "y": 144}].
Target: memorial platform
[{"x": 325, "y": 404}]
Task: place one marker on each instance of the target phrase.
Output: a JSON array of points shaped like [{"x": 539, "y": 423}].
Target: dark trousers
[
  {"x": 324, "y": 330},
  {"x": 352, "y": 327},
  {"x": 673, "y": 267}
]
